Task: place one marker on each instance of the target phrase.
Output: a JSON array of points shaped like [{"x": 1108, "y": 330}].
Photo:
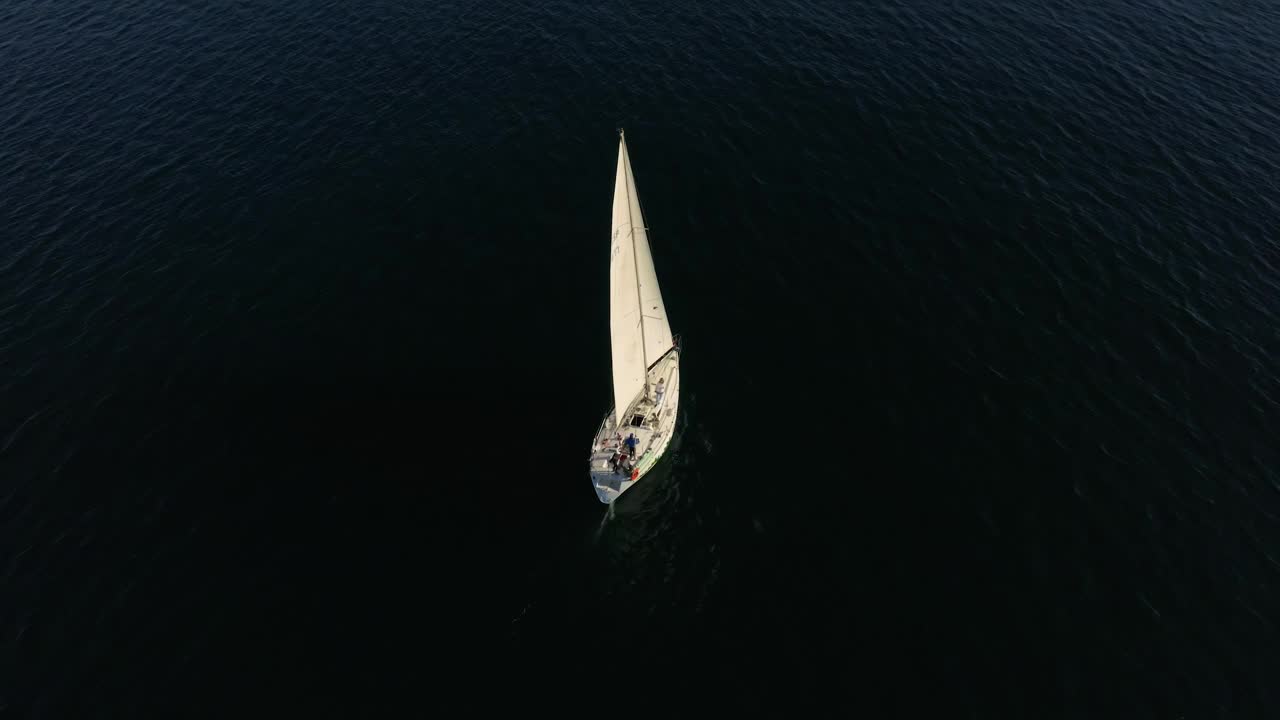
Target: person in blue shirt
[{"x": 631, "y": 443}]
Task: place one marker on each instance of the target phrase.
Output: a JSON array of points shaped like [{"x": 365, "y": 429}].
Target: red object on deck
[{"x": 635, "y": 473}]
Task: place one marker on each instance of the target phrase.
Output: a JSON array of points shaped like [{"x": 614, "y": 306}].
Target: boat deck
[{"x": 651, "y": 420}]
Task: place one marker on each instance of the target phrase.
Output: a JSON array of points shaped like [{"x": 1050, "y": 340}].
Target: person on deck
[
  {"x": 631, "y": 443},
  {"x": 658, "y": 392}
]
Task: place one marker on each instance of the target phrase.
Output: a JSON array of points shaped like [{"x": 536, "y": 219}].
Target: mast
[{"x": 635, "y": 266}]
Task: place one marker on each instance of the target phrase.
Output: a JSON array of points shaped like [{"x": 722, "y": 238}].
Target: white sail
[{"x": 639, "y": 331}]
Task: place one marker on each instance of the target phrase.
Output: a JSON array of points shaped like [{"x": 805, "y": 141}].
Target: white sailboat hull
[{"x": 655, "y": 429}]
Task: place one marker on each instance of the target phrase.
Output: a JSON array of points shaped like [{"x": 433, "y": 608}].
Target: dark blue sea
[{"x": 304, "y": 338}]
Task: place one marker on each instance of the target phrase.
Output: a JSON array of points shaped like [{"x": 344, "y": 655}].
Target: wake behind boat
[{"x": 646, "y": 359}]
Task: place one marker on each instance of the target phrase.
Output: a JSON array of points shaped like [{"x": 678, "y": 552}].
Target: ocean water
[{"x": 303, "y": 339}]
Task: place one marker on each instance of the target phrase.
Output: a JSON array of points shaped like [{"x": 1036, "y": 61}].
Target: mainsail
[{"x": 639, "y": 331}]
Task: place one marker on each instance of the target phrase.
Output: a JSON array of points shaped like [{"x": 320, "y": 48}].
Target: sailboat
[{"x": 646, "y": 357}]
